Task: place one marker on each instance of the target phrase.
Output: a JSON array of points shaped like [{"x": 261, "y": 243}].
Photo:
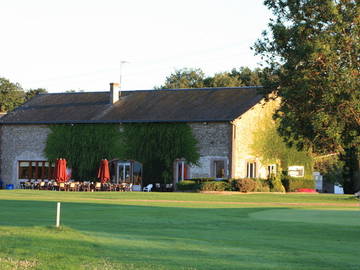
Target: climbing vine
[
  {"x": 83, "y": 146},
  {"x": 157, "y": 145},
  {"x": 273, "y": 150}
]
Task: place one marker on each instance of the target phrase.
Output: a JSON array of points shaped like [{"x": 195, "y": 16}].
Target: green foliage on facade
[
  {"x": 270, "y": 146},
  {"x": 157, "y": 145},
  {"x": 83, "y": 146}
]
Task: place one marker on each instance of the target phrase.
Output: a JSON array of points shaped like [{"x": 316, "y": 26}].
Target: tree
[
  {"x": 312, "y": 56},
  {"x": 247, "y": 76},
  {"x": 11, "y": 95},
  {"x": 33, "y": 92},
  {"x": 195, "y": 78},
  {"x": 223, "y": 79},
  {"x": 184, "y": 78}
]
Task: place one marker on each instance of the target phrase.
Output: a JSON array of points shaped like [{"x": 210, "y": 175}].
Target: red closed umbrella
[
  {"x": 104, "y": 172},
  {"x": 60, "y": 174}
]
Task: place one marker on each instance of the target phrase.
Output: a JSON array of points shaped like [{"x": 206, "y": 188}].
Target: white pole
[
  {"x": 121, "y": 68},
  {"x": 58, "y": 215}
]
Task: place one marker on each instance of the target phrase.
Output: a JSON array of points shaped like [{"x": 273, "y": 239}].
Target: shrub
[
  {"x": 276, "y": 184},
  {"x": 262, "y": 185},
  {"x": 292, "y": 184},
  {"x": 233, "y": 184},
  {"x": 246, "y": 185},
  {"x": 187, "y": 185},
  {"x": 215, "y": 186},
  {"x": 202, "y": 179}
]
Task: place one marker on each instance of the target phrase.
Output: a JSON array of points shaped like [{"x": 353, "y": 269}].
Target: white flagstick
[{"x": 58, "y": 215}]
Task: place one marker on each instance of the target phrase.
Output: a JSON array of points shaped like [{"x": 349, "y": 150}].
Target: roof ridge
[
  {"x": 70, "y": 93},
  {"x": 167, "y": 89}
]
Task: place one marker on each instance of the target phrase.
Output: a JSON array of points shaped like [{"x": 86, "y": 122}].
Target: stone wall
[
  {"x": 27, "y": 142},
  {"x": 214, "y": 144},
  {"x": 244, "y": 137},
  {"x": 20, "y": 142}
]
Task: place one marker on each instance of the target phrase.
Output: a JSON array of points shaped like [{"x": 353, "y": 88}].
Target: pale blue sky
[{"x": 78, "y": 44}]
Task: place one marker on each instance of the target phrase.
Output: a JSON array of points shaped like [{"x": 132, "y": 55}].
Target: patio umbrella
[
  {"x": 60, "y": 174},
  {"x": 104, "y": 172}
]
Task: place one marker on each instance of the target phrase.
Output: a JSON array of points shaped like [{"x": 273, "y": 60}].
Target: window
[
  {"x": 36, "y": 169},
  {"x": 296, "y": 171},
  {"x": 271, "y": 169},
  {"x": 219, "y": 168},
  {"x": 251, "y": 169}
]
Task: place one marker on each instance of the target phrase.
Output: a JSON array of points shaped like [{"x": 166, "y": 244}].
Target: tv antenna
[{"x": 121, "y": 69}]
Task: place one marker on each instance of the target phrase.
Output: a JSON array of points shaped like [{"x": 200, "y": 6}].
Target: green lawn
[{"x": 178, "y": 231}]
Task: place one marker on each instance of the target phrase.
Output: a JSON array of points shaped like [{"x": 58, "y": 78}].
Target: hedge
[
  {"x": 200, "y": 180},
  {"x": 215, "y": 186},
  {"x": 187, "y": 185},
  {"x": 292, "y": 184}
]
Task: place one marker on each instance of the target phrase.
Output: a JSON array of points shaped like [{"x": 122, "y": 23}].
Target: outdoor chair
[
  {"x": 122, "y": 187},
  {"x": 73, "y": 186},
  {"x": 42, "y": 185},
  {"x": 84, "y": 186},
  {"x": 157, "y": 187},
  {"x": 55, "y": 186},
  {"x": 98, "y": 186},
  {"x": 169, "y": 187},
  {"x": 62, "y": 186},
  {"x": 128, "y": 187},
  {"x": 148, "y": 187},
  {"x": 27, "y": 185}
]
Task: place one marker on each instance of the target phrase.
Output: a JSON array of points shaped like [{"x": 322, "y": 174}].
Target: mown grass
[{"x": 202, "y": 231}]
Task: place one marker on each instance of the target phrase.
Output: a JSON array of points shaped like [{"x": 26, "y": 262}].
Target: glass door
[{"x": 123, "y": 172}]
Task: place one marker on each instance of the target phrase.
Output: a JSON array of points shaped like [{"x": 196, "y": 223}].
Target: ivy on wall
[
  {"x": 83, "y": 146},
  {"x": 273, "y": 150},
  {"x": 157, "y": 145}
]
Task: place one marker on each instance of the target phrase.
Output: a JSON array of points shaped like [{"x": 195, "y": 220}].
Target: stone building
[{"x": 222, "y": 119}]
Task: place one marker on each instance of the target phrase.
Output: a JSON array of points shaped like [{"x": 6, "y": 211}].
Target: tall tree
[
  {"x": 33, "y": 92},
  {"x": 195, "y": 78},
  {"x": 312, "y": 51},
  {"x": 184, "y": 78},
  {"x": 11, "y": 95}
]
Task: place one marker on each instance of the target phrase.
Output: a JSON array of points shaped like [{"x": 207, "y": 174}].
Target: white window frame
[
  {"x": 296, "y": 171},
  {"x": 251, "y": 169},
  {"x": 271, "y": 169},
  {"x": 215, "y": 169}
]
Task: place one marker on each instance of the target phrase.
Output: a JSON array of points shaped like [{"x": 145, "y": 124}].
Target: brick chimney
[{"x": 114, "y": 92}]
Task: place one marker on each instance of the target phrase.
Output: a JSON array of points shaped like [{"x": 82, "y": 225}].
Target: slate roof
[{"x": 180, "y": 105}]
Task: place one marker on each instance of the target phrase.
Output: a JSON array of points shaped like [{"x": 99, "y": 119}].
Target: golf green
[{"x": 178, "y": 231}]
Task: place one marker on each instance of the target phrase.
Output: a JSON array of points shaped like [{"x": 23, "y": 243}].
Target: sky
[{"x": 65, "y": 45}]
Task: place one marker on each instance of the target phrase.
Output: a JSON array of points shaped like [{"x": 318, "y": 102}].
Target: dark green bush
[
  {"x": 292, "y": 184},
  {"x": 186, "y": 185},
  {"x": 233, "y": 184},
  {"x": 246, "y": 185},
  {"x": 215, "y": 186},
  {"x": 202, "y": 179}
]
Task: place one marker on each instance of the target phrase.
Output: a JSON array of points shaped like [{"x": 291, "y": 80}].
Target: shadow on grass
[{"x": 201, "y": 238}]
